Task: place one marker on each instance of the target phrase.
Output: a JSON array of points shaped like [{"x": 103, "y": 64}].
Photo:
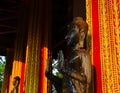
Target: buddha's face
[{"x": 72, "y": 36}]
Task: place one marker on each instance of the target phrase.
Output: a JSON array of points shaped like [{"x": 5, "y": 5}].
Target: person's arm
[
  {"x": 56, "y": 81},
  {"x": 52, "y": 78}
]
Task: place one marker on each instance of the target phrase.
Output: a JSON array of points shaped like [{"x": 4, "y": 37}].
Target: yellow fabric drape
[
  {"x": 19, "y": 51},
  {"x": 33, "y": 49},
  {"x": 109, "y": 32},
  {"x": 18, "y": 61},
  {"x": 110, "y": 45},
  {"x": 37, "y": 48}
]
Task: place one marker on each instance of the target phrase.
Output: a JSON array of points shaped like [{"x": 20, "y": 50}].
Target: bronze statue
[{"x": 76, "y": 67}]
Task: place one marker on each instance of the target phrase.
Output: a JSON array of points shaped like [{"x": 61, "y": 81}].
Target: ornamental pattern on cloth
[{"x": 109, "y": 37}]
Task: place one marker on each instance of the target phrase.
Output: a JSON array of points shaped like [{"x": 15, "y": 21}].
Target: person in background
[{"x": 16, "y": 82}]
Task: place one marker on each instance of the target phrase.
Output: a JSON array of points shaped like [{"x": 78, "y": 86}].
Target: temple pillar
[{"x": 37, "y": 46}]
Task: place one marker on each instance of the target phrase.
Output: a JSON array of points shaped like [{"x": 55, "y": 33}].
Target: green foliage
[{"x": 2, "y": 67}]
